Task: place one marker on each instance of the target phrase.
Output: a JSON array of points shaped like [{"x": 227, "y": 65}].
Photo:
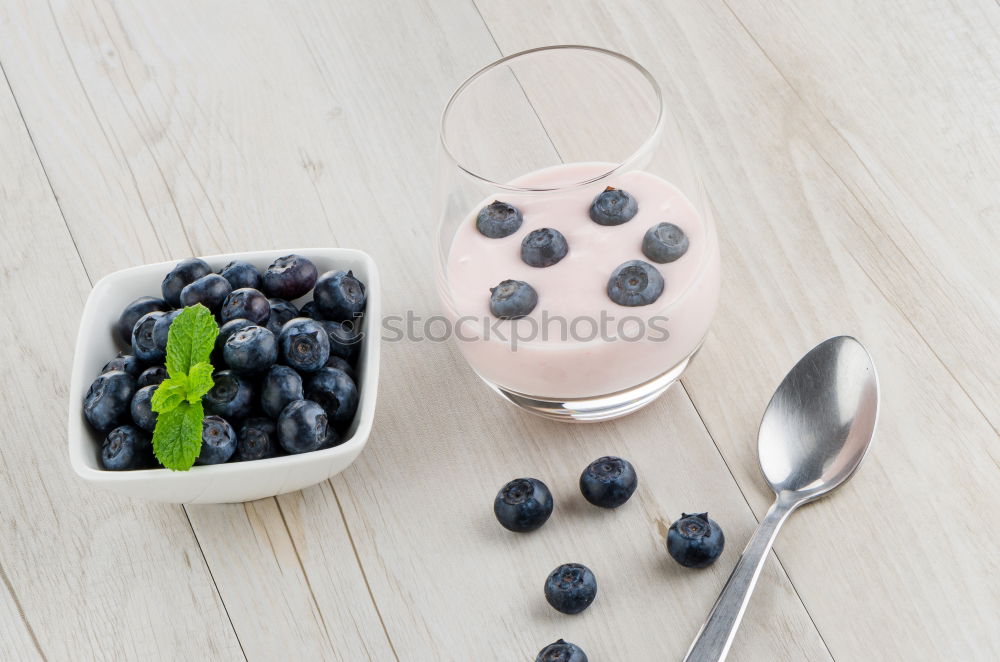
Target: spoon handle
[{"x": 716, "y": 635}]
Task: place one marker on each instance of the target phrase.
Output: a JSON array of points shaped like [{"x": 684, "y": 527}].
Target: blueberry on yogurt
[
  {"x": 543, "y": 247},
  {"x": 635, "y": 283},
  {"x": 613, "y": 207},
  {"x": 498, "y": 220},
  {"x": 512, "y": 299},
  {"x": 664, "y": 242}
]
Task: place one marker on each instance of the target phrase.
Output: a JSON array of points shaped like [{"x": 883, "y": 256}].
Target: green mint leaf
[
  {"x": 177, "y": 437},
  {"x": 191, "y": 339},
  {"x": 199, "y": 381},
  {"x": 170, "y": 393}
]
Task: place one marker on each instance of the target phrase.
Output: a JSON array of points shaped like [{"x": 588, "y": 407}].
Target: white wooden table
[{"x": 852, "y": 156}]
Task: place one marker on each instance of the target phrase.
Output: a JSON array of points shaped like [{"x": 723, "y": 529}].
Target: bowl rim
[{"x": 367, "y": 392}]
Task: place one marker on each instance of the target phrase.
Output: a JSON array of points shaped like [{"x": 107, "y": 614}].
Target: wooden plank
[
  {"x": 799, "y": 250},
  {"x": 327, "y": 142},
  {"x": 84, "y": 574}
]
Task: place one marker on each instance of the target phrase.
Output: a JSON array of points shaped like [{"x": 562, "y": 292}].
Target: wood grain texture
[{"x": 850, "y": 152}]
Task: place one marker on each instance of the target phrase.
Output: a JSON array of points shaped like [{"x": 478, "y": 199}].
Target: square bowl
[{"x": 231, "y": 482}]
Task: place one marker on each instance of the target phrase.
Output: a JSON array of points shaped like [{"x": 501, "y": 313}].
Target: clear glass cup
[{"x": 547, "y": 131}]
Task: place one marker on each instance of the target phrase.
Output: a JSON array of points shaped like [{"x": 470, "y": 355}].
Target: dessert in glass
[{"x": 577, "y": 259}]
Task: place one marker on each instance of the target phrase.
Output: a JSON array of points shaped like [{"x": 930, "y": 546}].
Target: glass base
[{"x": 598, "y": 408}]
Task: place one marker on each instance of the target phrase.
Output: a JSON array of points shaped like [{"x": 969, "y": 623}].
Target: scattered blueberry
[
  {"x": 228, "y": 329},
  {"x": 308, "y": 309},
  {"x": 512, "y": 299},
  {"x": 246, "y": 303},
  {"x": 339, "y": 295},
  {"x": 152, "y": 376},
  {"x": 257, "y": 439},
  {"x": 561, "y": 651},
  {"x": 251, "y": 350},
  {"x": 124, "y": 362},
  {"x": 126, "y": 447},
  {"x": 571, "y": 588},
  {"x": 143, "y": 341},
  {"x": 281, "y": 312},
  {"x": 345, "y": 338},
  {"x": 281, "y": 385},
  {"x": 289, "y": 277},
  {"x": 231, "y": 397},
  {"x": 664, "y": 242},
  {"x": 335, "y": 392},
  {"x": 142, "y": 413},
  {"x": 210, "y": 291},
  {"x": 543, "y": 247},
  {"x": 132, "y": 313},
  {"x": 108, "y": 399},
  {"x": 498, "y": 220},
  {"x": 161, "y": 330},
  {"x": 608, "y": 482},
  {"x": 303, "y": 426},
  {"x": 218, "y": 441},
  {"x": 182, "y": 275},
  {"x": 695, "y": 541},
  {"x": 304, "y": 344},
  {"x": 523, "y": 504},
  {"x": 613, "y": 207},
  {"x": 341, "y": 364},
  {"x": 635, "y": 283},
  {"x": 241, "y": 274}
]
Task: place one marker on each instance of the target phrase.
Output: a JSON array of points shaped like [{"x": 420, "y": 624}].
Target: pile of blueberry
[
  {"x": 633, "y": 283},
  {"x": 285, "y": 378},
  {"x": 525, "y": 504}
]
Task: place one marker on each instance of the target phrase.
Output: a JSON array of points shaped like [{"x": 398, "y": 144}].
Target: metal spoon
[{"x": 814, "y": 434}]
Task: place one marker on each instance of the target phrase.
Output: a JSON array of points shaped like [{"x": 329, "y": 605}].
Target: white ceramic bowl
[{"x": 234, "y": 481}]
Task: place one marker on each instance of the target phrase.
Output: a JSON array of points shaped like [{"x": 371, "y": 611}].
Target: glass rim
[{"x": 636, "y": 155}]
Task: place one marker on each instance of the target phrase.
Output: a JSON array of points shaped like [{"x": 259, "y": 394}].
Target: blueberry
[
  {"x": 339, "y": 295},
  {"x": 132, "y": 313},
  {"x": 304, "y": 344},
  {"x": 257, "y": 439},
  {"x": 561, "y": 651},
  {"x": 523, "y": 504},
  {"x": 308, "y": 309},
  {"x": 241, "y": 274},
  {"x": 281, "y": 386},
  {"x": 281, "y": 312},
  {"x": 335, "y": 392},
  {"x": 124, "y": 362},
  {"x": 571, "y": 588},
  {"x": 543, "y": 247},
  {"x": 345, "y": 338},
  {"x": 246, "y": 303},
  {"x": 228, "y": 329},
  {"x": 182, "y": 275},
  {"x": 613, "y": 207},
  {"x": 231, "y": 397},
  {"x": 251, "y": 350},
  {"x": 695, "y": 541},
  {"x": 498, "y": 220},
  {"x": 126, "y": 447},
  {"x": 144, "y": 342},
  {"x": 341, "y": 364},
  {"x": 289, "y": 277},
  {"x": 608, "y": 482},
  {"x": 142, "y": 413},
  {"x": 210, "y": 291},
  {"x": 664, "y": 242},
  {"x": 218, "y": 441},
  {"x": 161, "y": 329},
  {"x": 152, "y": 376},
  {"x": 303, "y": 426},
  {"x": 108, "y": 399},
  {"x": 512, "y": 299},
  {"x": 635, "y": 283}
]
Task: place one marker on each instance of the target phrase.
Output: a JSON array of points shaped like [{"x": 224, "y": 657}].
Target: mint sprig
[{"x": 177, "y": 400}]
